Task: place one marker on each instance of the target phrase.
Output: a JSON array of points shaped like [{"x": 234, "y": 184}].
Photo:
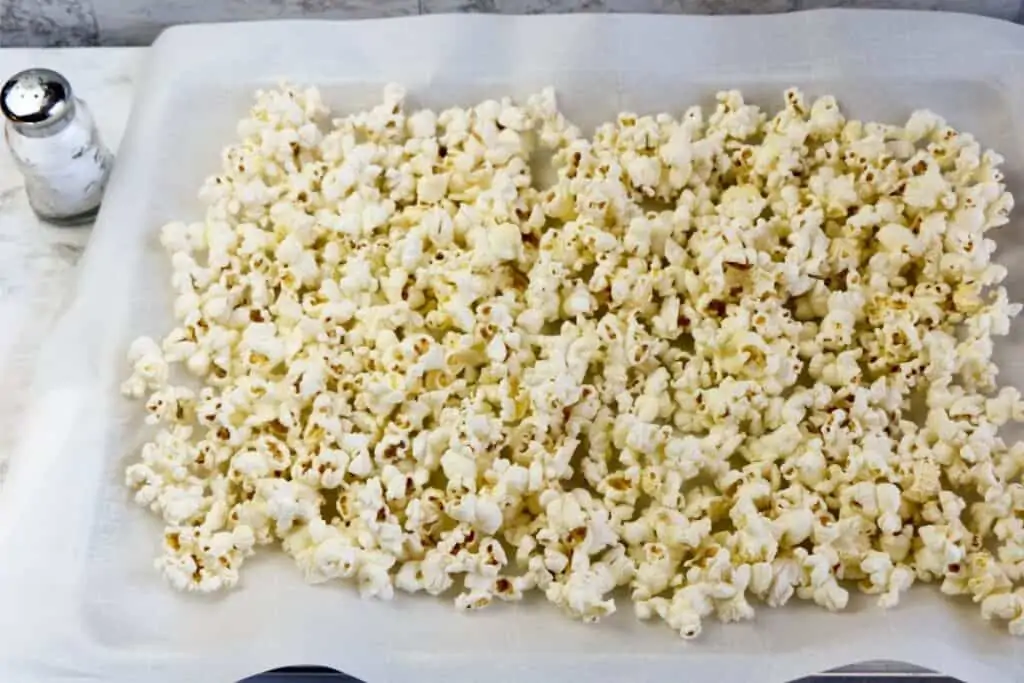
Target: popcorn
[
  {"x": 885, "y": 578},
  {"x": 324, "y": 552},
  {"x": 416, "y": 369},
  {"x": 196, "y": 559},
  {"x": 149, "y": 368},
  {"x": 583, "y": 593}
]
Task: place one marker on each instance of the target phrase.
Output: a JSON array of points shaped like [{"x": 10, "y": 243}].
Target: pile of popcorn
[{"x": 723, "y": 359}]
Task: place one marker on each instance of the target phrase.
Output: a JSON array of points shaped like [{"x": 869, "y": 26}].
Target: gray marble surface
[{"x": 48, "y": 23}]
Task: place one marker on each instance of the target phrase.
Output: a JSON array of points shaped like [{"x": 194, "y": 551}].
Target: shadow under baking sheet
[{"x": 865, "y": 672}]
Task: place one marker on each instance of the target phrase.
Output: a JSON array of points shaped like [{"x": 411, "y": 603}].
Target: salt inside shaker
[{"x": 55, "y": 144}]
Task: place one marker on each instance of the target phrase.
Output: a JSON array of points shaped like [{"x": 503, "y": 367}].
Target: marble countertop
[
  {"x": 38, "y": 262},
  {"x": 137, "y": 22}
]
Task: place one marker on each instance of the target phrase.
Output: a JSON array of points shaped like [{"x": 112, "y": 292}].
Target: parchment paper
[{"x": 79, "y": 599}]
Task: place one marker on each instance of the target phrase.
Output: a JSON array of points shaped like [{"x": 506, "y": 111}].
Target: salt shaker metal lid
[{"x": 36, "y": 99}]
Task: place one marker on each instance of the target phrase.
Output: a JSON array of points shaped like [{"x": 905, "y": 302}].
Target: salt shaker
[{"x": 55, "y": 144}]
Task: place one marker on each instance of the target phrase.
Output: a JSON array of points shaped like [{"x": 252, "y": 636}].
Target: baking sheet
[{"x": 79, "y": 599}]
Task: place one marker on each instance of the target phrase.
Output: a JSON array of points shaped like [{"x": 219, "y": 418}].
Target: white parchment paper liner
[{"x": 79, "y": 599}]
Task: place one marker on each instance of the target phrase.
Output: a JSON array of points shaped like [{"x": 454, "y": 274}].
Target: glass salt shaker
[{"x": 55, "y": 144}]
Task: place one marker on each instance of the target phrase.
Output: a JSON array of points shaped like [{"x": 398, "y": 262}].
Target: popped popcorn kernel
[{"x": 723, "y": 359}]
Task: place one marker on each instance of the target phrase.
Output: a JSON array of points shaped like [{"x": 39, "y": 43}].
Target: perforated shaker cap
[{"x": 36, "y": 98}]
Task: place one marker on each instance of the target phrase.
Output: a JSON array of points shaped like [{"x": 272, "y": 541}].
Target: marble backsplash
[{"x": 35, "y": 23}]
